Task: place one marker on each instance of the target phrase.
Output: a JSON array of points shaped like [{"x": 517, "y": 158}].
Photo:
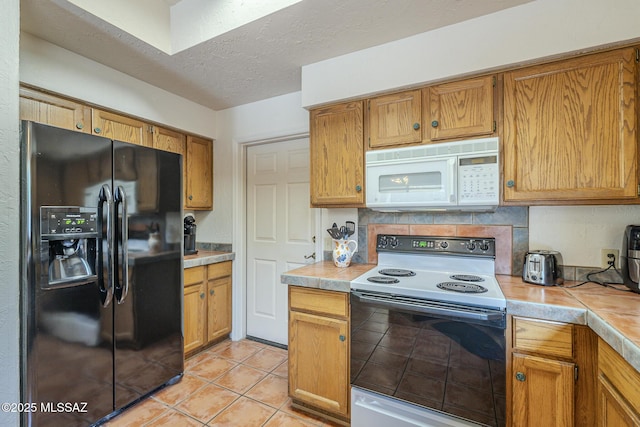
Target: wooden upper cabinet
[
  {"x": 168, "y": 140},
  {"x": 199, "y": 173},
  {"x": 337, "y": 156},
  {"x": 570, "y": 130},
  {"x": 121, "y": 128},
  {"x": 395, "y": 119},
  {"x": 459, "y": 109},
  {"x": 48, "y": 109}
]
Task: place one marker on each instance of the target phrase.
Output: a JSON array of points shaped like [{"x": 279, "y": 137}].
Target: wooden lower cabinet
[
  {"x": 218, "y": 300},
  {"x": 551, "y": 376},
  {"x": 194, "y": 309},
  {"x": 618, "y": 393},
  {"x": 207, "y": 305},
  {"x": 319, "y": 351}
]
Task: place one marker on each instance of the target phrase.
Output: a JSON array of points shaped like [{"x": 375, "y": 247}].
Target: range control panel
[{"x": 475, "y": 246}]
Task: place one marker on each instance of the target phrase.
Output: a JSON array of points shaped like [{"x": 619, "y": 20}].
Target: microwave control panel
[{"x": 478, "y": 179}]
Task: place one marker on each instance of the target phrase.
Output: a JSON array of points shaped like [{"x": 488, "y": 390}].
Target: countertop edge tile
[
  {"x": 631, "y": 353},
  {"x": 605, "y": 331},
  {"x": 547, "y": 311},
  {"x": 206, "y": 258},
  {"x": 307, "y": 281}
]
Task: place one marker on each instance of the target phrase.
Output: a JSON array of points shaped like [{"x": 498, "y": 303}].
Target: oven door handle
[{"x": 430, "y": 308}]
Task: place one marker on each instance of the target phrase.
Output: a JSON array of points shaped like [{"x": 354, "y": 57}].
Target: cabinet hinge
[
  {"x": 638, "y": 189},
  {"x": 637, "y": 55},
  {"x": 150, "y": 128},
  {"x": 369, "y": 105},
  {"x": 494, "y": 81},
  {"x": 575, "y": 373},
  {"x": 494, "y": 126}
]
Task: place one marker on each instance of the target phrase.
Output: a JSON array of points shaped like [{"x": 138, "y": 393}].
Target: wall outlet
[{"x": 604, "y": 256}]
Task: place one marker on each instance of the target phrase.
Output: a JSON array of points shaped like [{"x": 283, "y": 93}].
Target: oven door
[
  {"x": 412, "y": 184},
  {"x": 433, "y": 363}
]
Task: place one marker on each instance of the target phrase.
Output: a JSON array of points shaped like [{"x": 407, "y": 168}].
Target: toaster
[{"x": 543, "y": 268}]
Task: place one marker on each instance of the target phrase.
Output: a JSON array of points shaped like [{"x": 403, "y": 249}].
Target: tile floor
[{"x": 242, "y": 383}]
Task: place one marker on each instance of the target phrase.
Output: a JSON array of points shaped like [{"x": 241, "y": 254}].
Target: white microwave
[{"x": 461, "y": 175}]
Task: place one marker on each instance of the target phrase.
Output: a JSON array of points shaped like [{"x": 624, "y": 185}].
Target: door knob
[{"x": 313, "y": 255}]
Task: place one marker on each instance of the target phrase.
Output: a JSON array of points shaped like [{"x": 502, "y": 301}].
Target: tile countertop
[
  {"x": 613, "y": 315},
  {"x": 207, "y": 257}
]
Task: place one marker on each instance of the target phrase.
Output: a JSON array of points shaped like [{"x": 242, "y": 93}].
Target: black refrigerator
[{"x": 101, "y": 287}]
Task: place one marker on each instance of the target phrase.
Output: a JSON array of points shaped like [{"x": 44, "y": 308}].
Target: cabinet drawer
[
  {"x": 330, "y": 303},
  {"x": 543, "y": 337},
  {"x": 193, "y": 275},
  {"x": 220, "y": 269}
]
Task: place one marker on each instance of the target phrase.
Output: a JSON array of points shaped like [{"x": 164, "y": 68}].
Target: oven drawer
[
  {"x": 543, "y": 337},
  {"x": 335, "y": 304}
]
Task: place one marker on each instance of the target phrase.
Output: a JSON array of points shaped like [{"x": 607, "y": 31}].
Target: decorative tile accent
[
  {"x": 508, "y": 224},
  {"x": 501, "y": 233},
  {"x": 218, "y": 247}
]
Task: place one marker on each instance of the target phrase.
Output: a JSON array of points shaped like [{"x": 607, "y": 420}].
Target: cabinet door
[
  {"x": 460, "y": 109},
  {"x": 218, "y": 308},
  {"x": 543, "y": 391},
  {"x": 337, "y": 156},
  {"x": 168, "y": 140},
  {"x": 613, "y": 409},
  {"x": 395, "y": 119},
  {"x": 319, "y": 361},
  {"x": 194, "y": 308},
  {"x": 194, "y": 317},
  {"x": 121, "y": 128},
  {"x": 48, "y": 109},
  {"x": 199, "y": 174},
  {"x": 570, "y": 129}
]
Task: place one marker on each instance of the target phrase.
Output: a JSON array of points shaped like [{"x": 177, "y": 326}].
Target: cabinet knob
[
  {"x": 342, "y": 338},
  {"x": 520, "y": 376},
  {"x": 212, "y": 292},
  {"x": 511, "y": 183},
  {"x": 97, "y": 130},
  {"x": 358, "y": 188},
  {"x": 190, "y": 197},
  {"x": 416, "y": 126},
  {"x": 202, "y": 295},
  {"x": 434, "y": 124},
  {"x": 79, "y": 125}
]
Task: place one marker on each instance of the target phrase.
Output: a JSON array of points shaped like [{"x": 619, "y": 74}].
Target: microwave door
[{"x": 407, "y": 185}]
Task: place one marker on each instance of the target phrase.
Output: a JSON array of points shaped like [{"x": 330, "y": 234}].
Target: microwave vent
[{"x": 434, "y": 150}]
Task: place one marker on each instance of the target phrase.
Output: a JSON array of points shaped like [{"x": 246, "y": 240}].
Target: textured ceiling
[{"x": 255, "y": 61}]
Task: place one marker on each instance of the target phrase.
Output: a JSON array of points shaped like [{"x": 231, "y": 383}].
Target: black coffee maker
[
  {"x": 630, "y": 257},
  {"x": 190, "y": 235}
]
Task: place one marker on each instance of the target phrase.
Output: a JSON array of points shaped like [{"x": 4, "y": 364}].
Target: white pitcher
[{"x": 343, "y": 250}]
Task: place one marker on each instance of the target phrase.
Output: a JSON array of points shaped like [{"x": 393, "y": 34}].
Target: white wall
[
  {"x": 580, "y": 232},
  {"x": 533, "y": 30},
  {"x": 56, "y": 69},
  {"x": 263, "y": 120},
  {"x": 9, "y": 210}
]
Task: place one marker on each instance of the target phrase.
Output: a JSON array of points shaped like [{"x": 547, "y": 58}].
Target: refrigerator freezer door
[{"x": 148, "y": 284}]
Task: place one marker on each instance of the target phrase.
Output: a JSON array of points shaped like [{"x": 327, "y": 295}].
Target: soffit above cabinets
[{"x": 224, "y": 53}]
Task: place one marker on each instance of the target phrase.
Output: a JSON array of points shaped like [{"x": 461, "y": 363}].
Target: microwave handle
[{"x": 453, "y": 180}]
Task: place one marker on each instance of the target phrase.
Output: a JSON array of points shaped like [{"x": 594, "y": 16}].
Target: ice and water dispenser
[{"x": 69, "y": 239}]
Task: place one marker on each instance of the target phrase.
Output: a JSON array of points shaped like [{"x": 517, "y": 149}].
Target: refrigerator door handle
[
  {"x": 121, "y": 199},
  {"x": 106, "y": 291}
]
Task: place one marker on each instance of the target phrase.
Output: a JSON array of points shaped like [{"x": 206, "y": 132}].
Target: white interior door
[{"x": 280, "y": 231}]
